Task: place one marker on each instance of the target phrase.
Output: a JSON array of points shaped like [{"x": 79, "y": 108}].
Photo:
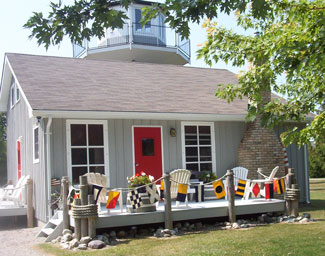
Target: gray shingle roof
[{"x": 57, "y": 83}]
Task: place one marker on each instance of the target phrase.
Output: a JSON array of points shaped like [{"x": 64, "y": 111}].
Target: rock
[
  {"x": 85, "y": 240},
  {"x": 66, "y": 246},
  {"x": 178, "y": 225},
  {"x": 74, "y": 243},
  {"x": 82, "y": 247},
  {"x": 260, "y": 219},
  {"x": 121, "y": 234},
  {"x": 239, "y": 222},
  {"x": 112, "y": 234},
  {"x": 67, "y": 237},
  {"x": 270, "y": 214},
  {"x": 184, "y": 229},
  {"x": 235, "y": 225},
  {"x": 133, "y": 231},
  {"x": 304, "y": 221},
  {"x": 306, "y": 215},
  {"x": 290, "y": 220},
  {"x": 274, "y": 219},
  {"x": 198, "y": 225},
  {"x": 167, "y": 235},
  {"x": 96, "y": 244},
  {"x": 167, "y": 231},
  {"x": 244, "y": 225},
  {"x": 100, "y": 237},
  {"x": 174, "y": 231},
  {"x": 66, "y": 231}
]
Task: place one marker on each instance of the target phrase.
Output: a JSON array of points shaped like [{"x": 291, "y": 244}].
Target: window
[
  {"x": 86, "y": 152},
  {"x": 17, "y": 94},
  {"x": 12, "y": 95},
  {"x": 138, "y": 25},
  {"x": 198, "y": 147},
  {"x": 36, "y": 144}
]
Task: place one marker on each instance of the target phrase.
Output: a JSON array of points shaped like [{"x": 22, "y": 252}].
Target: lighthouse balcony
[{"x": 134, "y": 42}]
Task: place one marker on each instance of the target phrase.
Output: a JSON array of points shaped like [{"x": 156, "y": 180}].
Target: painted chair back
[
  {"x": 239, "y": 173},
  {"x": 178, "y": 176},
  {"x": 100, "y": 180},
  {"x": 17, "y": 193}
]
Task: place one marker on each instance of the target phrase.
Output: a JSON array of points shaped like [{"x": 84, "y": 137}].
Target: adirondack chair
[
  {"x": 179, "y": 176},
  {"x": 267, "y": 179},
  {"x": 239, "y": 173},
  {"x": 99, "y": 180},
  {"x": 14, "y": 194}
]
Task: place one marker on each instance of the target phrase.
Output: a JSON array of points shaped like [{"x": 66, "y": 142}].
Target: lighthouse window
[{"x": 138, "y": 15}]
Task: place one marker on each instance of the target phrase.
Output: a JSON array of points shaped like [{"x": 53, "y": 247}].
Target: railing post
[
  {"x": 30, "y": 209},
  {"x": 91, "y": 220},
  {"x": 77, "y": 221},
  {"x": 167, "y": 201},
  {"x": 292, "y": 195},
  {"x": 231, "y": 196},
  {"x": 65, "y": 209},
  {"x": 84, "y": 201}
]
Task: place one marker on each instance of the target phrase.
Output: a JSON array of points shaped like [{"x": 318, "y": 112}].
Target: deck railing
[{"x": 152, "y": 35}]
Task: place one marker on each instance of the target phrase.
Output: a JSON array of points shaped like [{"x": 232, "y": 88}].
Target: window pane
[
  {"x": 204, "y": 130},
  {"x": 95, "y": 135},
  {"x": 206, "y": 167},
  {"x": 148, "y": 148},
  {"x": 76, "y": 172},
  {"x": 190, "y": 139},
  {"x": 36, "y": 150},
  {"x": 96, "y": 156},
  {"x": 205, "y": 154},
  {"x": 192, "y": 167},
  {"x": 17, "y": 94},
  {"x": 191, "y": 154},
  {"x": 191, "y": 130},
  {"x": 205, "y": 140},
  {"x": 78, "y": 135},
  {"x": 79, "y": 156},
  {"x": 99, "y": 169}
]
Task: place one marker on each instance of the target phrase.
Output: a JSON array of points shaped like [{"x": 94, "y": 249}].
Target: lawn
[{"x": 274, "y": 239}]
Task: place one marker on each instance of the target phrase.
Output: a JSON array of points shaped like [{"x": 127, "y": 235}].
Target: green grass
[{"x": 275, "y": 239}]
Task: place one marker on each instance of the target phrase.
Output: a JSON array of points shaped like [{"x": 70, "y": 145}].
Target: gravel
[{"x": 20, "y": 242}]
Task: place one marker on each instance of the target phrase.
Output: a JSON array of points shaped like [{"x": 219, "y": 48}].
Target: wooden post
[
  {"x": 65, "y": 209},
  {"x": 290, "y": 181},
  {"x": 231, "y": 196},
  {"x": 84, "y": 201},
  {"x": 91, "y": 220},
  {"x": 30, "y": 209},
  {"x": 295, "y": 203},
  {"x": 77, "y": 221},
  {"x": 168, "y": 205}
]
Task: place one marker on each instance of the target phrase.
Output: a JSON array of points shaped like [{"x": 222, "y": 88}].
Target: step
[
  {"x": 55, "y": 221},
  {"x": 47, "y": 231}
]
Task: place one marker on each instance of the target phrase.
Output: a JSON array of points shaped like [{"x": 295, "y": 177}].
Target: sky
[{"x": 14, "y": 38}]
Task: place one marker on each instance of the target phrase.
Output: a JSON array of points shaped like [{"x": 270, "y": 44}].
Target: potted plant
[
  {"x": 207, "y": 177},
  {"x": 138, "y": 180}
]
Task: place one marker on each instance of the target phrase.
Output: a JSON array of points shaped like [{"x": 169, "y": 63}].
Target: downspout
[
  {"x": 48, "y": 164},
  {"x": 306, "y": 174}
]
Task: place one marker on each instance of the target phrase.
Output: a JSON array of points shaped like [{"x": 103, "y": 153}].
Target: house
[{"x": 95, "y": 113}]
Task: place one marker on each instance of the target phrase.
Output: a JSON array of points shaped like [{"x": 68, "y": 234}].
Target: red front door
[
  {"x": 147, "y": 151},
  {"x": 18, "y": 159}
]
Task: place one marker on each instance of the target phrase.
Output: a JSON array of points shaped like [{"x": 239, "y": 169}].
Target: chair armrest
[{"x": 259, "y": 172}]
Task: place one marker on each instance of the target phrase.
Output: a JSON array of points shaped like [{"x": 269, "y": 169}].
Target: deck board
[
  {"x": 8, "y": 208},
  {"x": 208, "y": 209}
]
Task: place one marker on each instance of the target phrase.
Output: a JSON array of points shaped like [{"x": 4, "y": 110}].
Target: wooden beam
[
  {"x": 65, "y": 208},
  {"x": 30, "y": 209},
  {"x": 231, "y": 196},
  {"x": 168, "y": 206}
]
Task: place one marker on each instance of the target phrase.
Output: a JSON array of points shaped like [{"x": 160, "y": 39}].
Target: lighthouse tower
[{"x": 153, "y": 43}]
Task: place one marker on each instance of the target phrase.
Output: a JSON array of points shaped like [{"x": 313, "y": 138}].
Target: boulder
[
  {"x": 178, "y": 225},
  {"x": 74, "y": 243},
  {"x": 306, "y": 215},
  {"x": 82, "y": 247},
  {"x": 66, "y": 238},
  {"x": 85, "y": 240},
  {"x": 304, "y": 221},
  {"x": 96, "y": 244},
  {"x": 244, "y": 225},
  {"x": 66, "y": 231},
  {"x": 235, "y": 225}
]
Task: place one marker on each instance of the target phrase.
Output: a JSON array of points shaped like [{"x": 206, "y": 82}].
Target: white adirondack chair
[
  {"x": 100, "y": 180},
  {"x": 239, "y": 173},
  {"x": 179, "y": 176},
  {"x": 14, "y": 194},
  {"x": 267, "y": 179}
]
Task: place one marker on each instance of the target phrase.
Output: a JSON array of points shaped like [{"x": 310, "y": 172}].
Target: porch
[{"x": 195, "y": 210}]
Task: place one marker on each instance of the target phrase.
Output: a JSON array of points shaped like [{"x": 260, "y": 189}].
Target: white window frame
[
  {"x": 68, "y": 143},
  {"x": 17, "y": 96},
  {"x": 213, "y": 146},
  {"x": 162, "y": 146},
  {"x": 12, "y": 94},
  {"x": 36, "y": 160}
]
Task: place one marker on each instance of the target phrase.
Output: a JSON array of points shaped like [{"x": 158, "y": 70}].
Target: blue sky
[{"x": 14, "y": 38}]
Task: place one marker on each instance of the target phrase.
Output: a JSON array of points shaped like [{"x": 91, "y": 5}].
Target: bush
[{"x": 317, "y": 160}]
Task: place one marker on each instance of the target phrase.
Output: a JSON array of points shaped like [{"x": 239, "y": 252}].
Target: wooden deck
[
  {"x": 208, "y": 209},
  {"x": 8, "y": 208}
]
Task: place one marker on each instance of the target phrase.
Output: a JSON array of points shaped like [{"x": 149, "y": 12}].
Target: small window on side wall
[
  {"x": 36, "y": 144},
  {"x": 12, "y": 95}
]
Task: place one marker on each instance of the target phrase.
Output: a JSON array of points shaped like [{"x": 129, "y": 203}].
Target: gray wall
[
  {"x": 227, "y": 138},
  {"x": 20, "y": 125},
  {"x": 296, "y": 159}
]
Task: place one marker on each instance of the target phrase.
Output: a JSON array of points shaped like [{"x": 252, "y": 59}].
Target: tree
[{"x": 290, "y": 41}]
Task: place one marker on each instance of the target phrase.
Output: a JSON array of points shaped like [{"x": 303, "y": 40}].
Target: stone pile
[{"x": 68, "y": 240}]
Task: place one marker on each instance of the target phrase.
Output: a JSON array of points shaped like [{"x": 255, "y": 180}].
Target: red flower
[{"x": 137, "y": 175}]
